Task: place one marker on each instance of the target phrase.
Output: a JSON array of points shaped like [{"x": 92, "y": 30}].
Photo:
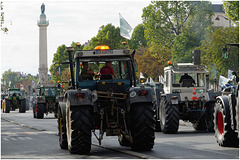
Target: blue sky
[{"x": 73, "y": 20}]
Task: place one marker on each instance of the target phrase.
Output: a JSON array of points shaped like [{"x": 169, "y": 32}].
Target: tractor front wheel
[
  {"x": 22, "y": 108},
  {"x": 39, "y": 111},
  {"x": 169, "y": 117}
]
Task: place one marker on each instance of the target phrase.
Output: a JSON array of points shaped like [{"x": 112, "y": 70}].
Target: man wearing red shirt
[{"x": 107, "y": 69}]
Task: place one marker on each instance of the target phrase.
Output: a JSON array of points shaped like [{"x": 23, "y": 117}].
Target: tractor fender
[
  {"x": 173, "y": 98},
  {"x": 80, "y": 97},
  {"x": 212, "y": 95},
  {"x": 40, "y": 99},
  {"x": 62, "y": 107},
  {"x": 135, "y": 96},
  {"x": 225, "y": 101}
]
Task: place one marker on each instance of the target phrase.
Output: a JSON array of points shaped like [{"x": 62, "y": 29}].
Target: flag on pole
[
  {"x": 230, "y": 75},
  {"x": 222, "y": 81},
  {"x": 141, "y": 75},
  {"x": 152, "y": 83},
  {"x": 125, "y": 28}
]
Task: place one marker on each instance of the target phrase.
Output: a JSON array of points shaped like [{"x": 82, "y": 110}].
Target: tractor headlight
[
  {"x": 176, "y": 91},
  {"x": 200, "y": 90},
  {"x": 133, "y": 94}
]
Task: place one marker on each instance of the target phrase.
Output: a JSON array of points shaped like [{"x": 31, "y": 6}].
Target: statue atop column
[{"x": 43, "y": 8}]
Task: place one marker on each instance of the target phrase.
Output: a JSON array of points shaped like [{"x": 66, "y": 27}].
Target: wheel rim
[
  {"x": 163, "y": 115},
  {"x": 220, "y": 122}
]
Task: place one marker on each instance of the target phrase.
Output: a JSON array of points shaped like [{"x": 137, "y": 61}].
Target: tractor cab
[
  {"x": 120, "y": 79},
  {"x": 193, "y": 76}
]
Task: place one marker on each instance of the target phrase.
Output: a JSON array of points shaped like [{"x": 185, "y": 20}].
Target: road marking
[
  {"x": 5, "y": 139},
  {"x": 16, "y": 138},
  {"x": 21, "y": 138},
  {"x": 23, "y": 125}
]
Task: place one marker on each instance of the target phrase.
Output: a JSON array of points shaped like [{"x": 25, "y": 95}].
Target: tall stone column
[{"x": 43, "y": 63}]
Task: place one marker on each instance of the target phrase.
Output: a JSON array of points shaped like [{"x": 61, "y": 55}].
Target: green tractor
[
  {"x": 46, "y": 102},
  {"x": 14, "y": 101}
]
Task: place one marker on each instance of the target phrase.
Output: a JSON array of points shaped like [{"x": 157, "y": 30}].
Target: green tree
[
  {"x": 232, "y": 10},
  {"x": 152, "y": 65},
  {"x": 163, "y": 21},
  {"x": 211, "y": 50},
  {"x": 4, "y": 29},
  {"x": 196, "y": 27},
  {"x": 138, "y": 37},
  {"x": 61, "y": 56},
  {"x": 108, "y": 35},
  {"x": 9, "y": 79}
]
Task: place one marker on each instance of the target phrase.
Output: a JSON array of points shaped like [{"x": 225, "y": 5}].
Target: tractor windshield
[
  {"x": 14, "y": 93},
  {"x": 197, "y": 80},
  {"x": 49, "y": 91},
  {"x": 96, "y": 70},
  {"x": 89, "y": 72}
]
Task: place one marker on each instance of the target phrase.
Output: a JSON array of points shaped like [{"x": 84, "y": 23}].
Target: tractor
[
  {"x": 103, "y": 104},
  {"x": 46, "y": 102},
  {"x": 14, "y": 101},
  {"x": 186, "y": 99}
]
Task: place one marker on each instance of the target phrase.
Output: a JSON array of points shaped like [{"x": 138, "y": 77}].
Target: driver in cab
[{"x": 107, "y": 69}]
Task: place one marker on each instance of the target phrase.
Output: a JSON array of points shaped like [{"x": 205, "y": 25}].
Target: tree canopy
[
  {"x": 196, "y": 27},
  {"x": 163, "y": 21},
  {"x": 61, "y": 56},
  {"x": 107, "y": 35},
  {"x": 137, "y": 40},
  {"x": 9, "y": 79},
  {"x": 211, "y": 50},
  {"x": 232, "y": 10}
]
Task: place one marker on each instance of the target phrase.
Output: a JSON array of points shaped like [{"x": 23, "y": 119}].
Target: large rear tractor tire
[
  {"x": 40, "y": 111},
  {"x": 79, "y": 129},
  {"x": 22, "y": 108},
  {"x": 222, "y": 124},
  {"x": 62, "y": 130},
  {"x": 169, "y": 117},
  {"x": 143, "y": 127},
  {"x": 237, "y": 110}
]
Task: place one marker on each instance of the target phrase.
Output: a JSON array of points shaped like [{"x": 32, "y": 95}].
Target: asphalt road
[{"x": 22, "y": 136}]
